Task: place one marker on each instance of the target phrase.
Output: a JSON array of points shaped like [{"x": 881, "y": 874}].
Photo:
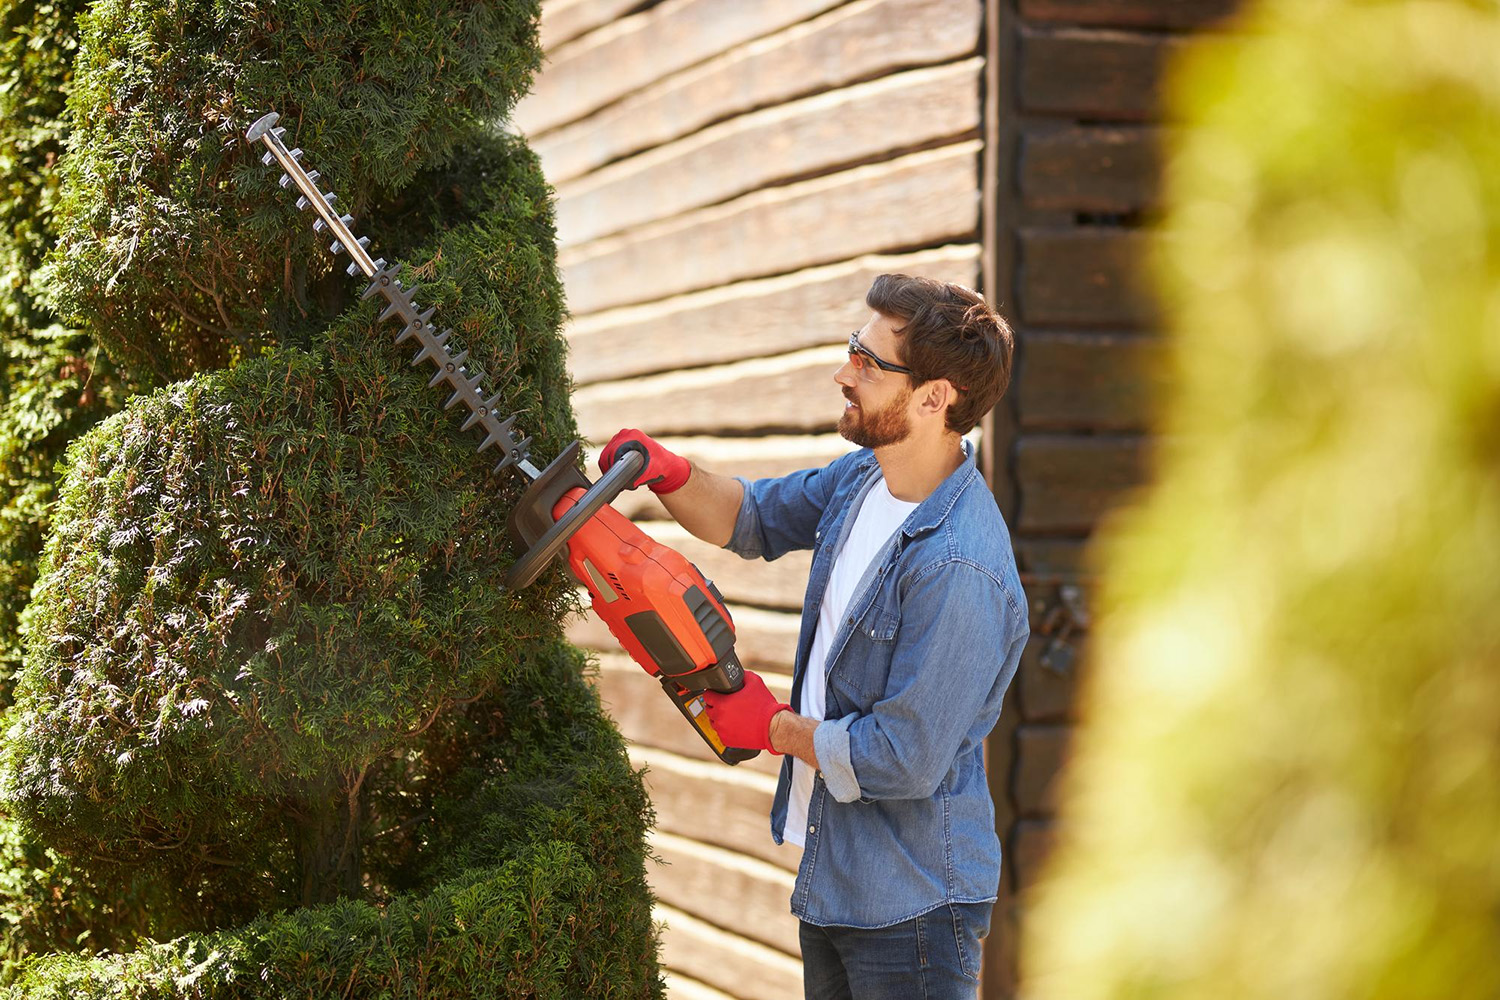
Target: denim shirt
[{"x": 900, "y": 820}]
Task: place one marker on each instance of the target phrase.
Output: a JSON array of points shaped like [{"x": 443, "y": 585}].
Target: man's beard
[{"x": 868, "y": 429}]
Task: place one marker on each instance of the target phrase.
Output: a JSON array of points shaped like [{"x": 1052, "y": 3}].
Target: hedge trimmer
[{"x": 670, "y": 619}]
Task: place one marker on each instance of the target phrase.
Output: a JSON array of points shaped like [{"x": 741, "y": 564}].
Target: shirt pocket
[{"x": 858, "y": 679}]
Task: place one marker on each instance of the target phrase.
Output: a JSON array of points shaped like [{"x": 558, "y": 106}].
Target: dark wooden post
[{"x": 1072, "y": 127}]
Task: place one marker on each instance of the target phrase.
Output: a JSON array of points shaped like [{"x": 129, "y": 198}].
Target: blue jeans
[{"x": 932, "y": 957}]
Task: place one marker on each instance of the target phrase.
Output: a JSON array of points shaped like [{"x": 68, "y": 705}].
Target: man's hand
[
  {"x": 743, "y": 719},
  {"x": 664, "y": 471}
]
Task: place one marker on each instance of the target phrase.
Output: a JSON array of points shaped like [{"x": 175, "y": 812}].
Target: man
[{"x": 912, "y": 627}]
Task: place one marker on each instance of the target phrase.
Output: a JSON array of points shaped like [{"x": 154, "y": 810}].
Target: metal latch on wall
[{"x": 1065, "y": 619}]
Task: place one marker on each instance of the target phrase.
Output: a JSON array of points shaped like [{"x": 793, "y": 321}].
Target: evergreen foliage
[
  {"x": 534, "y": 884},
  {"x": 174, "y": 244},
  {"x": 1289, "y": 780},
  {"x": 274, "y": 703},
  {"x": 37, "y": 43},
  {"x": 54, "y": 383},
  {"x": 243, "y": 594}
]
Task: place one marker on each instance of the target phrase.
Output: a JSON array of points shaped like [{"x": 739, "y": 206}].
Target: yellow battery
[{"x": 699, "y": 712}]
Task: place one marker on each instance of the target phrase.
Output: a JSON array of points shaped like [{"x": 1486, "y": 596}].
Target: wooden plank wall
[
  {"x": 1073, "y": 132},
  {"x": 730, "y": 176}
]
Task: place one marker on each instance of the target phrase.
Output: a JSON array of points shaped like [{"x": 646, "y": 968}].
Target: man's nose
[{"x": 845, "y": 375}]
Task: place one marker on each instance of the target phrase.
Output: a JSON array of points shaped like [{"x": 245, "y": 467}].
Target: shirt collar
[{"x": 931, "y": 511}]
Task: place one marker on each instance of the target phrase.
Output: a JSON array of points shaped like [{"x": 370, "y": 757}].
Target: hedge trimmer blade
[
  {"x": 669, "y": 617},
  {"x": 416, "y": 323}
]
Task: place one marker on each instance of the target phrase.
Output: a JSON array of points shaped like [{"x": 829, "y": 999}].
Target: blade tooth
[
  {"x": 434, "y": 350},
  {"x": 515, "y": 454},
  {"x": 417, "y": 321},
  {"x": 486, "y": 408},
  {"x": 498, "y": 434},
  {"x": 429, "y": 352},
  {"x": 347, "y": 220},
  {"x": 394, "y": 309},
  {"x": 463, "y": 391},
  {"x": 352, "y": 268},
  {"x": 302, "y": 203},
  {"x": 268, "y": 157},
  {"x": 426, "y": 318},
  {"x": 313, "y": 176},
  {"x": 364, "y": 242},
  {"x": 286, "y": 179},
  {"x": 475, "y": 382},
  {"x": 443, "y": 375},
  {"x": 335, "y": 248},
  {"x": 394, "y": 293},
  {"x": 319, "y": 225},
  {"x": 296, "y": 154},
  {"x": 279, "y": 132},
  {"x": 400, "y": 297},
  {"x": 483, "y": 411},
  {"x": 375, "y": 287},
  {"x": 457, "y": 361},
  {"x": 330, "y": 197}
]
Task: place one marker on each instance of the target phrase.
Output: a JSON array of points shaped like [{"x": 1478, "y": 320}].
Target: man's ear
[{"x": 935, "y": 396}]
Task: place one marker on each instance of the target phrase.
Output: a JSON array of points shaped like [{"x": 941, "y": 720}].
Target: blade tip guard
[{"x": 262, "y": 125}]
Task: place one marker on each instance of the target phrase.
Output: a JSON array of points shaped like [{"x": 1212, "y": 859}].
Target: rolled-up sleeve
[
  {"x": 958, "y": 646},
  {"x": 781, "y": 514}
]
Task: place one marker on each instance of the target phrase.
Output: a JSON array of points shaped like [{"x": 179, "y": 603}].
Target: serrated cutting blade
[{"x": 467, "y": 387}]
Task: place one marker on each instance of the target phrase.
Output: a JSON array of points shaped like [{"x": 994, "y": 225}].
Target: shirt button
[{"x": 812, "y": 829}]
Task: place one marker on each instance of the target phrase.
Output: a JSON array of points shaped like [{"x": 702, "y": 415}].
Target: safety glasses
[{"x": 862, "y": 358}]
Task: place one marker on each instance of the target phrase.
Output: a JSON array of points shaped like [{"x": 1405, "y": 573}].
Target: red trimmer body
[{"x": 667, "y": 616}]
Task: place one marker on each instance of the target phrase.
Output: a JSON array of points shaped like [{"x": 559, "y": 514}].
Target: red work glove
[
  {"x": 664, "y": 471},
  {"x": 743, "y": 719}
]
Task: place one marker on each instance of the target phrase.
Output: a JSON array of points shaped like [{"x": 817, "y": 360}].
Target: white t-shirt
[{"x": 878, "y": 518}]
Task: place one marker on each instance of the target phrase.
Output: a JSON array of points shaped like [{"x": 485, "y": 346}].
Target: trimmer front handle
[{"x": 540, "y": 548}]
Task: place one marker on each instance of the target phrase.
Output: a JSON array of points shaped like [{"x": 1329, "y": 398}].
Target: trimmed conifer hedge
[
  {"x": 54, "y": 382},
  {"x": 278, "y": 729},
  {"x": 529, "y": 882}
]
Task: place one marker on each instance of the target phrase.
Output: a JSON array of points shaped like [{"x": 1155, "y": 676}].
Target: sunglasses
[{"x": 859, "y": 354}]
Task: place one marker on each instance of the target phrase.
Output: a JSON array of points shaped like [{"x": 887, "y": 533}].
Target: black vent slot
[{"x": 715, "y": 628}]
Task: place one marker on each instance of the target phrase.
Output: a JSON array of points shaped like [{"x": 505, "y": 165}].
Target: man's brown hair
[{"x": 949, "y": 332}]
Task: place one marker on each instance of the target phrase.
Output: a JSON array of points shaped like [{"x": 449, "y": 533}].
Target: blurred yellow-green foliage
[{"x": 1288, "y": 784}]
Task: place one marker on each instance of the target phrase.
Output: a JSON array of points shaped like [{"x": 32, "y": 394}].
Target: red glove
[
  {"x": 743, "y": 719},
  {"x": 664, "y": 471}
]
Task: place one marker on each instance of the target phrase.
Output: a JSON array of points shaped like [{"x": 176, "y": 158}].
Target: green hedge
[
  {"x": 277, "y": 726},
  {"x": 174, "y": 243},
  {"x": 54, "y": 382},
  {"x": 533, "y": 886},
  {"x": 259, "y": 579}
]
